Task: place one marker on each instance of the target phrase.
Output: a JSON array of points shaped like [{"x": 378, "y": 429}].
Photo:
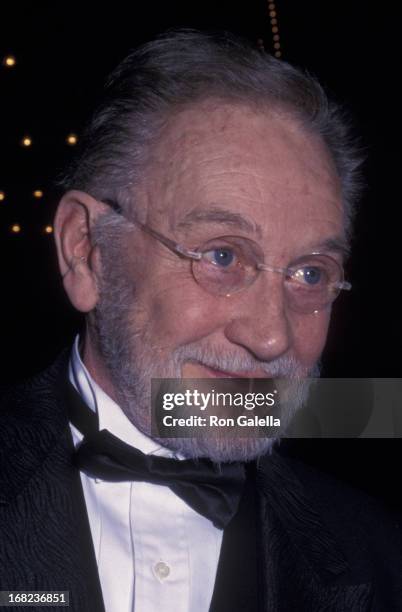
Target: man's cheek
[
  {"x": 310, "y": 334},
  {"x": 185, "y": 315}
]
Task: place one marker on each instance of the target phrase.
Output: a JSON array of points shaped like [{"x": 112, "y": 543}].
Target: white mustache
[{"x": 213, "y": 357}]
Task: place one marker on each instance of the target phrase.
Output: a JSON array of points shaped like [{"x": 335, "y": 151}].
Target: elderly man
[{"x": 202, "y": 231}]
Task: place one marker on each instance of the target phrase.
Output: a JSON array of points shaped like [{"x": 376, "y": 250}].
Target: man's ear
[{"x": 78, "y": 260}]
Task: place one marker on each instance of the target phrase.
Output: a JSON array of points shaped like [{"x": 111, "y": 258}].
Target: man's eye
[
  {"x": 310, "y": 275},
  {"x": 222, "y": 257}
]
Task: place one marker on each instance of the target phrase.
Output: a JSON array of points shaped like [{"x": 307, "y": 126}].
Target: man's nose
[{"x": 259, "y": 320}]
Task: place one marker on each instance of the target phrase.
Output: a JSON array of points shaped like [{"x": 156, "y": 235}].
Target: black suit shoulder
[
  {"x": 45, "y": 540},
  {"x": 32, "y": 419}
]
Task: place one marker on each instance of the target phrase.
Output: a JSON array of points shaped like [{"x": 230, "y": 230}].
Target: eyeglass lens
[{"x": 230, "y": 264}]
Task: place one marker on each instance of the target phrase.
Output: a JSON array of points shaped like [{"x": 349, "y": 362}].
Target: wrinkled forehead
[{"x": 257, "y": 163}]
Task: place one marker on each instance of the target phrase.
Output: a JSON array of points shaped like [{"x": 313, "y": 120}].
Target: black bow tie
[{"x": 211, "y": 489}]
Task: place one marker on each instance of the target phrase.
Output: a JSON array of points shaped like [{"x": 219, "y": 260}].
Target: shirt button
[{"x": 161, "y": 570}]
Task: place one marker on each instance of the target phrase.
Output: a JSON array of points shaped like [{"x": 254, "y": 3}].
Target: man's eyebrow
[
  {"x": 219, "y": 215},
  {"x": 337, "y": 245}
]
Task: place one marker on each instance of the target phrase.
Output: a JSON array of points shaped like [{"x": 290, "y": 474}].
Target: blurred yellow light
[
  {"x": 272, "y": 13},
  {"x": 278, "y": 54},
  {"x": 274, "y": 21},
  {"x": 277, "y": 45},
  {"x": 275, "y": 29},
  {"x": 271, "y": 6},
  {"x": 38, "y": 193},
  {"x": 16, "y": 228},
  {"x": 72, "y": 139},
  {"x": 26, "y": 141},
  {"x": 9, "y": 61},
  {"x": 276, "y": 37},
  {"x": 48, "y": 229},
  {"x": 2, "y": 196}
]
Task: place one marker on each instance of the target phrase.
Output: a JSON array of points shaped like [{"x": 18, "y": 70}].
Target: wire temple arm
[
  {"x": 344, "y": 285},
  {"x": 170, "y": 244}
]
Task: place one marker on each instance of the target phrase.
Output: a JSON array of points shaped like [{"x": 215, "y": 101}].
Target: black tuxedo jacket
[{"x": 302, "y": 541}]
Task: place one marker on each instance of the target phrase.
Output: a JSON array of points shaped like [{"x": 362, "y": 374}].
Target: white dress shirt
[{"x": 154, "y": 552}]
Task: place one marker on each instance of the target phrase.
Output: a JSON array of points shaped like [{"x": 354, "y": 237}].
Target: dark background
[{"x": 64, "y": 52}]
